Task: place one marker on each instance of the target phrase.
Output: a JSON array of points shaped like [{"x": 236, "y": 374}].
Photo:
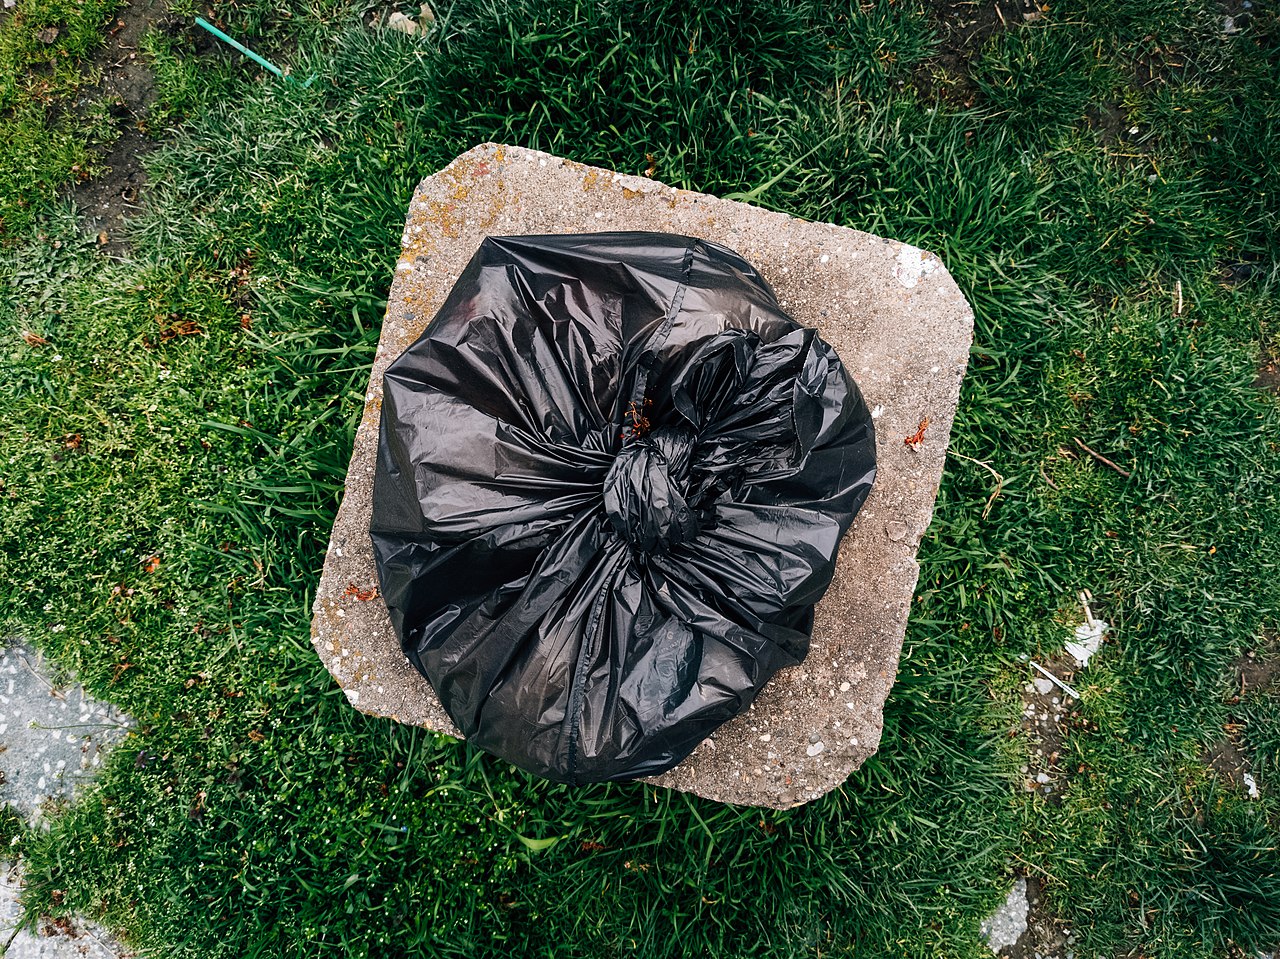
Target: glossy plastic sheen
[{"x": 612, "y": 478}]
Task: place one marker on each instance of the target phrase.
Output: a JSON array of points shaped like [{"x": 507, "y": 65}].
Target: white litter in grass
[
  {"x": 1056, "y": 681},
  {"x": 398, "y": 21},
  {"x": 1088, "y": 634},
  {"x": 1251, "y": 784}
]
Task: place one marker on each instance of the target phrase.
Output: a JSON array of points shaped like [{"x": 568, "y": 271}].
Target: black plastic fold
[{"x": 612, "y": 478}]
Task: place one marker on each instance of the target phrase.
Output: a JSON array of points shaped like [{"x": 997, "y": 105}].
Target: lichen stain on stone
[
  {"x": 372, "y": 414},
  {"x": 590, "y": 180},
  {"x": 631, "y": 194},
  {"x": 332, "y": 621},
  {"x": 497, "y": 206},
  {"x": 445, "y": 217}
]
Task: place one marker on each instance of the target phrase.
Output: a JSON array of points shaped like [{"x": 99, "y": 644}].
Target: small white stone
[
  {"x": 815, "y": 749},
  {"x": 844, "y": 687},
  {"x": 766, "y": 738}
]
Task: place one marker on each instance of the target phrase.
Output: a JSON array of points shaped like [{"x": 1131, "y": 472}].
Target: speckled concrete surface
[
  {"x": 52, "y": 738},
  {"x": 52, "y": 734},
  {"x": 900, "y": 325}
]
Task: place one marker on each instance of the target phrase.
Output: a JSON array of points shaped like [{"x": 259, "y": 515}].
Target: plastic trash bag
[{"x": 612, "y": 478}]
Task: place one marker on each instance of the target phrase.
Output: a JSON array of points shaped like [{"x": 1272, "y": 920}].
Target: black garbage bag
[{"x": 612, "y": 477}]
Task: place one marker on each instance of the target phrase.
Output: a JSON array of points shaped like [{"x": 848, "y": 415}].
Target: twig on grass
[
  {"x": 1045, "y": 476},
  {"x": 999, "y": 481},
  {"x": 1032, "y": 865},
  {"x": 1102, "y": 459}
]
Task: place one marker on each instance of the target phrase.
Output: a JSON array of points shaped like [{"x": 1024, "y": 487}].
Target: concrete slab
[{"x": 895, "y": 317}]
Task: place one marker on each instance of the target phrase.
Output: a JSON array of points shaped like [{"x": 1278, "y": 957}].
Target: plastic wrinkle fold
[{"x": 612, "y": 479}]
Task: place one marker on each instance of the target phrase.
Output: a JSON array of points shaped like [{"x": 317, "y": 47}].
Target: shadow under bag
[{"x": 612, "y": 478}]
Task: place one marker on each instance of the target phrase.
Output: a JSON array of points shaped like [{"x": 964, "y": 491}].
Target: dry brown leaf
[{"x": 916, "y": 438}]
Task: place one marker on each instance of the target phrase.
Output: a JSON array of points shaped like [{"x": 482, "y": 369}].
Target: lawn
[{"x": 175, "y": 422}]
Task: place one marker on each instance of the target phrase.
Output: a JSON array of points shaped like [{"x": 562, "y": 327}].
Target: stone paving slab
[
  {"x": 895, "y": 317},
  {"x": 52, "y": 734}
]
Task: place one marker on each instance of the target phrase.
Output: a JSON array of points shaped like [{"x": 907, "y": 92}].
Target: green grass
[
  {"x": 46, "y": 142},
  {"x": 174, "y": 457}
]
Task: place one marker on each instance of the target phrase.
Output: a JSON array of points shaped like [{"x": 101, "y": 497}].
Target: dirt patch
[
  {"x": 964, "y": 27},
  {"x": 1260, "y": 671},
  {"x": 1049, "y": 716},
  {"x": 1269, "y": 371},
  {"x": 1227, "y": 759},
  {"x": 1256, "y": 672},
  {"x": 1108, "y": 122},
  {"x": 127, "y": 89}
]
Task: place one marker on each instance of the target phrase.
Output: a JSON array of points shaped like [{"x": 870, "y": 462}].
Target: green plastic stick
[{"x": 202, "y": 22}]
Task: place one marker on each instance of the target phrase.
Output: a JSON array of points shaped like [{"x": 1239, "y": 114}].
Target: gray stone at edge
[
  {"x": 52, "y": 738},
  {"x": 1004, "y": 927},
  {"x": 895, "y": 317},
  {"x": 52, "y": 734}
]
